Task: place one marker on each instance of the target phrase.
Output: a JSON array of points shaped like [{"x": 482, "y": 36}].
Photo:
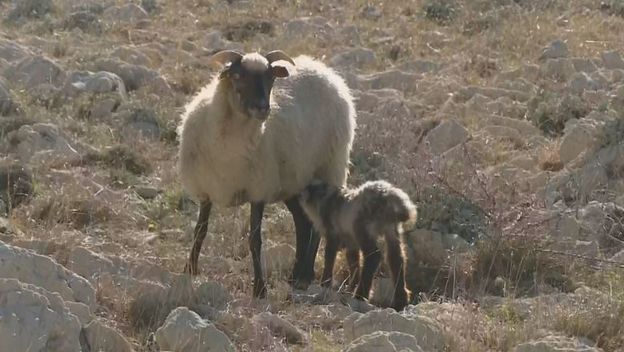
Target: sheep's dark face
[{"x": 252, "y": 79}]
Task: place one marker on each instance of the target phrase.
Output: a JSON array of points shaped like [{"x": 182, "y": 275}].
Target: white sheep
[
  {"x": 353, "y": 219},
  {"x": 247, "y": 137}
]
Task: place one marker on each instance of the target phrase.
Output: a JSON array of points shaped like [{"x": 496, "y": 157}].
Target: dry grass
[{"x": 476, "y": 40}]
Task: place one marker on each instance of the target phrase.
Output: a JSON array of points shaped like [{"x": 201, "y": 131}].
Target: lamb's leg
[
  {"x": 394, "y": 258},
  {"x": 307, "y": 246},
  {"x": 255, "y": 245},
  {"x": 353, "y": 259},
  {"x": 372, "y": 257},
  {"x": 201, "y": 229},
  {"x": 331, "y": 248}
]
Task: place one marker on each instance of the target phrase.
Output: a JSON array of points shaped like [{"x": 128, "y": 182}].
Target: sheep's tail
[{"x": 404, "y": 210}]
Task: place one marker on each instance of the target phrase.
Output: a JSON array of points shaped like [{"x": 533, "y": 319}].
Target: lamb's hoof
[
  {"x": 191, "y": 269},
  {"x": 326, "y": 296},
  {"x": 357, "y": 305}
]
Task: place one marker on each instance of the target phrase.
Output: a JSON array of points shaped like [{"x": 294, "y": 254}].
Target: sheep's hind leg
[
  {"x": 394, "y": 258},
  {"x": 372, "y": 258},
  {"x": 353, "y": 259},
  {"x": 201, "y": 229},
  {"x": 255, "y": 245},
  {"x": 307, "y": 246}
]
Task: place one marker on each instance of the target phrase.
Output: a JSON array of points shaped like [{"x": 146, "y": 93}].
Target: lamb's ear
[{"x": 280, "y": 71}]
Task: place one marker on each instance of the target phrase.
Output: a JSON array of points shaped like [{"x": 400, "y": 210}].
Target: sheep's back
[{"x": 312, "y": 130}]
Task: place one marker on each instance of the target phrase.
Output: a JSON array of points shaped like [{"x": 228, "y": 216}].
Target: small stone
[
  {"x": 612, "y": 60},
  {"x": 147, "y": 192},
  {"x": 371, "y": 12},
  {"x": 555, "y": 50},
  {"x": 279, "y": 327},
  {"x": 584, "y": 65}
]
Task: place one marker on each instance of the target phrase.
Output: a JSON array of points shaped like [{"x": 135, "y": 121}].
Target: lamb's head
[
  {"x": 251, "y": 77},
  {"x": 314, "y": 195}
]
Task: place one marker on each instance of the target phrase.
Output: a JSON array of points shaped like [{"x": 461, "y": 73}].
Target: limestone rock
[
  {"x": 35, "y": 320},
  {"x": 445, "y": 136},
  {"x": 353, "y": 58},
  {"x": 555, "y": 344},
  {"x": 428, "y": 334},
  {"x": 42, "y": 271},
  {"x": 102, "y": 338},
  {"x": 36, "y": 70},
  {"x": 184, "y": 330},
  {"x": 128, "y": 14},
  {"x": 385, "y": 341}
]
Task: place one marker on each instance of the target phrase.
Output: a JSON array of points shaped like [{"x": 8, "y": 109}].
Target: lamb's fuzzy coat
[
  {"x": 354, "y": 219},
  {"x": 230, "y": 159}
]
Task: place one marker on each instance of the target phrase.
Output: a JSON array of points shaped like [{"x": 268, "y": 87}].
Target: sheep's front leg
[
  {"x": 372, "y": 258},
  {"x": 307, "y": 246},
  {"x": 255, "y": 245},
  {"x": 201, "y": 229},
  {"x": 331, "y": 249},
  {"x": 394, "y": 258}
]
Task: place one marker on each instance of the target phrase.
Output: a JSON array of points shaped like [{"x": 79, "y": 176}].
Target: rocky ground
[{"x": 504, "y": 120}]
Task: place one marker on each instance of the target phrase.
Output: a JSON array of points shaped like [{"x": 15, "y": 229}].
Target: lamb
[
  {"x": 248, "y": 137},
  {"x": 354, "y": 219}
]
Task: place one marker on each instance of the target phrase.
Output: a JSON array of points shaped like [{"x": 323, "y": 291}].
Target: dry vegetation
[{"x": 100, "y": 201}]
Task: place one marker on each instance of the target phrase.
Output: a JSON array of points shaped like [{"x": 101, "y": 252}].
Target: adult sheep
[{"x": 249, "y": 138}]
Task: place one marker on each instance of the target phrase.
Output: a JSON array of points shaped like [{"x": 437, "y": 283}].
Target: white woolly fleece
[{"x": 231, "y": 159}]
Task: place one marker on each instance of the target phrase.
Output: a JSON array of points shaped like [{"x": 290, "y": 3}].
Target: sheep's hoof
[
  {"x": 299, "y": 284},
  {"x": 191, "y": 269},
  {"x": 260, "y": 290}
]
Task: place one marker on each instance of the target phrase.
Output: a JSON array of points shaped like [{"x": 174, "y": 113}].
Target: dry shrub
[
  {"x": 548, "y": 159},
  {"x": 601, "y": 316},
  {"x": 79, "y": 213},
  {"x": 603, "y": 324},
  {"x": 122, "y": 157},
  {"x": 516, "y": 267},
  {"x": 16, "y": 184}
]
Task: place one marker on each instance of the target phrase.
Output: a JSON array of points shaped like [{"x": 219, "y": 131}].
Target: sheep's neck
[{"x": 237, "y": 127}]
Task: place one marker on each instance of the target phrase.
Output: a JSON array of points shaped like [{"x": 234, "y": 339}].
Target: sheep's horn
[
  {"x": 225, "y": 56},
  {"x": 276, "y": 55}
]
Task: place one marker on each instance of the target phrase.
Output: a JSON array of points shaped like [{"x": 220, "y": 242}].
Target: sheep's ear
[
  {"x": 225, "y": 73},
  {"x": 280, "y": 71}
]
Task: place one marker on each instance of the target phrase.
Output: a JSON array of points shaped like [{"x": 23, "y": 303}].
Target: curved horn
[
  {"x": 225, "y": 56},
  {"x": 276, "y": 55}
]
